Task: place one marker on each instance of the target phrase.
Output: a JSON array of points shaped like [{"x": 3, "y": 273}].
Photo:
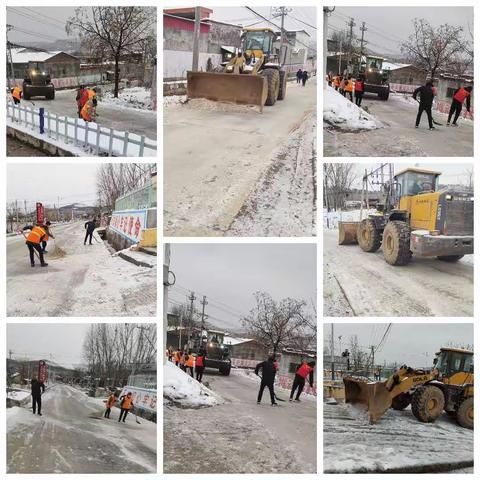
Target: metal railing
[{"x": 91, "y": 137}]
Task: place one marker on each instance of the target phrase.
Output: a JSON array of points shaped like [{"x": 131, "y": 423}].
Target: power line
[
  {"x": 35, "y": 34},
  {"x": 301, "y": 21},
  {"x": 33, "y": 19}
]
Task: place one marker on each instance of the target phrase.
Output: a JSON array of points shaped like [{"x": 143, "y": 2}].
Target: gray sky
[
  {"x": 43, "y": 182},
  {"x": 231, "y": 273},
  {"x": 59, "y": 342},
  {"x": 45, "y": 24},
  {"x": 389, "y": 26},
  {"x": 407, "y": 343},
  {"x": 452, "y": 173},
  {"x": 293, "y": 20}
]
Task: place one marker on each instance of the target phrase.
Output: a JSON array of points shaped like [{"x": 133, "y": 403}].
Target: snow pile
[
  {"x": 180, "y": 388},
  {"x": 203, "y": 104},
  {"x": 132, "y": 97},
  {"x": 18, "y": 395},
  {"x": 168, "y": 101},
  {"x": 341, "y": 113},
  {"x": 331, "y": 219}
]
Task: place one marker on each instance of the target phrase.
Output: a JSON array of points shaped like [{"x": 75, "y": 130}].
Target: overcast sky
[
  {"x": 452, "y": 173},
  {"x": 414, "y": 344},
  {"x": 389, "y": 26},
  {"x": 43, "y": 182},
  {"x": 231, "y": 273},
  {"x": 61, "y": 343}
]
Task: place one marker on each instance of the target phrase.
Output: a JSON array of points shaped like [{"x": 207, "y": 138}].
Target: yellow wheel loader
[
  {"x": 448, "y": 387},
  {"x": 252, "y": 77},
  {"x": 416, "y": 219}
]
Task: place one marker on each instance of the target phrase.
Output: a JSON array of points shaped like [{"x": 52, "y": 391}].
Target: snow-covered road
[
  {"x": 398, "y": 137},
  {"x": 86, "y": 281},
  {"x": 215, "y": 155},
  {"x": 240, "y": 436},
  {"x": 72, "y": 437},
  {"x": 397, "y": 443},
  {"x": 356, "y": 283},
  {"x": 110, "y": 115}
]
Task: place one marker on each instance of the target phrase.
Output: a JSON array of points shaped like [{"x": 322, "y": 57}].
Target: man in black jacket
[
  {"x": 269, "y": 370},
  {"x": 426, "y": 100},
  {"x": 90, "y": 228},
  {"x": 37, "y": 389}
]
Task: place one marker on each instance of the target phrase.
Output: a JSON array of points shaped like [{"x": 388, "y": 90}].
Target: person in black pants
[
  {"x": 90, "y": 228},
  {"x": 200, "y": 366},
  {"x": 37, "y": 389},
  {"x": 425, "y": 105},
  {"x": 268, "y": 378},
  {"x": 304, "y": 370},
  {"x": 459, "y": 96}
]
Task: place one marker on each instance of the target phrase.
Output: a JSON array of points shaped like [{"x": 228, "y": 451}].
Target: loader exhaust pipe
[
  {"x": 243, "y": 89},
  {"x": 374, "y": 396}
]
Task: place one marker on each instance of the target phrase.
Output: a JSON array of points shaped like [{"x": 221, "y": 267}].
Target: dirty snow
[
  {"x": 332, "y": 218},
  {"x": 398, "y": 442},
  {"x": 84, "y": 281},
  {"x": 283, "y": 204},
  {"x": 182, "y": 389},
  {"x": 174, "y": 100},
  {"x": 341, "y": 113},
  {"x": 18, "y": 395},
  {"x": 130, "y": 97}
]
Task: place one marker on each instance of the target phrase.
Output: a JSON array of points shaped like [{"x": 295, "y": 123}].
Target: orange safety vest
[
  {"x": 304, "y": 370},
  {"x": 461, "y": 95},
  {"x": 337, "y": 81},
  {"x": 177, "y": 356},
  {"x": 110, "y": 401},
  {"x": 37, "y": 235},
  {"x": 191, "y": 361},
  {"x": 127, "y": 403},
  {"x": 86, "y": 110},
  {"x": 91, "y": 94},
  {"x": 17, "y": 93},
  {"x": 348, "y": 85}
]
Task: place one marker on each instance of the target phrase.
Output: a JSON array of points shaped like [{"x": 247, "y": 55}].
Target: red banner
[
  {"x": 40, "y": 213},
  {"x": 42, "y": 371}
]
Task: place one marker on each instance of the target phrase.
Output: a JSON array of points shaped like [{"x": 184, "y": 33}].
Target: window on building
[
  {"x": 450, "y": 92},
  {"x": 292, "y": 367}
]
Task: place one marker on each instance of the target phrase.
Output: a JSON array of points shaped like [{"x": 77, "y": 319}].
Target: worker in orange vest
[
  {"x": 126, "y": 404},
  {"x": 177, "y": 357},
  {"x": 38, "y": 233},
  {"x": 189, "y": 362},
  {"x": 337, "y": 82},
  {"x": 348, "y": 87},
  {"x": 88, "y": 111},
  {"x": 200, "y": 365},
  {"x": 305, "y": 370},
  {"x": 459, "y": 97},
  {"x": 16, "y": 94},
  {"x": 111, "y": 401}
]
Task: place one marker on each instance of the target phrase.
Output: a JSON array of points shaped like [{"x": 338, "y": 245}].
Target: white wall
[{"x": 176, "y": 63}]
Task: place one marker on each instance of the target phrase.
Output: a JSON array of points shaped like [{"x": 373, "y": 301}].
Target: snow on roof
[
  {"x": 395, "y": 66},
  {"x": 228, "y": 48},
  {"x": 24, "y": 55},
  {"x": 227, "y": 340}
]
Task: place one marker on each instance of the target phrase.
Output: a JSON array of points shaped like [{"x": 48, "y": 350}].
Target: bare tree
[
  {"x": 275, "y": 324},
  {"x": 113, "y": 31},
  {"x": 358, "y": 357},
  {"x": 432, "y": 49},
  {"x": 339, "y": 178}
]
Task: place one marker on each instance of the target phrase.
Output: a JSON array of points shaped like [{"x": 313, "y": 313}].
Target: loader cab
[
  {"x": 258, "y": 42},
  {"x": 415, "y": 181},
  {"x": 455, "y": 364}
]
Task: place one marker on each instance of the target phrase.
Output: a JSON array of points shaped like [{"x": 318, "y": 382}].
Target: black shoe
[
  {"x": 297, "y": 400},
  {"x": 274, "y": 404},
  {"x": 432, "y": 128},
  {"x": 258, "y": 403},
  {"x": 32, "y": 264},
  {"x": 90, "y": 243},
  {"x": 416, "y": 126},
  {"x": 290, "y": 399},
  {"x": 40, "y": 414},
  {"x": 123, "y": 421},
  {"x": 84, "y": 243},
  {"x": 44, "y": 264}
]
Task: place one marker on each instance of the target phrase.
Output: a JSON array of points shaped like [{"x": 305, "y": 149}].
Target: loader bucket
[
  {"x": 244, "y": 89},
  {"x": 347, "y": 233},
  {"x": 374, "y": 396}
]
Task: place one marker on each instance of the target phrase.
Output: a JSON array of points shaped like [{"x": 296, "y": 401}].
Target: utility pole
[
  {"x": 12, "y": 71},
  {"x": 372, "y": 348},
  {"x": 340, "y": 58},
  {"x": 196, "y": 40},
  {"x": 363, "y": 29},
  {"x": 204, "y": 303},
  {"x": 351, "y": 24},
  {"x": 192, "y": 298},
  {"x": 332, "y": 354},
  {"x": 58, "y": 209},
  {"x": 282, "y": 12},
  {"x": 25, "y": 206},
  {"x": 326, "y": 12}
]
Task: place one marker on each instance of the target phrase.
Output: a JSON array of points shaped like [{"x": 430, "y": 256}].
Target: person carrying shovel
[{"x": 38, "y": 233}]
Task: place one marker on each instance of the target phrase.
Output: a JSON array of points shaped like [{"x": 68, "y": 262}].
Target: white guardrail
[{"x": 89, "y": 136}]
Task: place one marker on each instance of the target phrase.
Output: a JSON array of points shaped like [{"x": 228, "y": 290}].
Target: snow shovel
[
  {"x": 136, "y": 417},
  {"x": 275, "y": 395},
  {"x": 433, "y": 120}
]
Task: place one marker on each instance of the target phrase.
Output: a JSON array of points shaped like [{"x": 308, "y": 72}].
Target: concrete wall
[
  {"x": 222, "y": 34},
  {"x": 177, "y": 63}
]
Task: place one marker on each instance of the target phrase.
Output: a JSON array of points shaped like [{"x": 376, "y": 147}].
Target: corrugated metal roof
[{"x": 23, "y": 55}]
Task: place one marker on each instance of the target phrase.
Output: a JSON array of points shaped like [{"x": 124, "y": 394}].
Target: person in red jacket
[
  {"x": 460, "y": 95},
  {"x": 200, "y": 366},
  {"x": 81, "y": 98},
  {"x": 305, "y": 370},
  {"x": 359, "y": 89}
]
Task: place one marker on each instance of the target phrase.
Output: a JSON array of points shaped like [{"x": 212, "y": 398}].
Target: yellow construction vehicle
[
  {"x": 415, "y": 219},
  {"x": 252, "y": 77},
  {"x": 448, "y": 387}
]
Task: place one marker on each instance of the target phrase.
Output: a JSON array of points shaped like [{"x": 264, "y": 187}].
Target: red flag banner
[
  {"x": 42, "y": 371},
  {"x": 40, "y": 213}
]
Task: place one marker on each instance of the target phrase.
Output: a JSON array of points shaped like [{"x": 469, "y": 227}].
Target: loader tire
[
  {"x": 282, "y": 91},
  {"x": 401, "y": 402},
  {"x": 396, "y": 243},
  {"x": 273, "y": 85},
  {"x": 368, "y": 237},
  {"x": 450, "y": 258},
  {"x": 465, "y": 413},
  {"x": 427, "y": 403}
]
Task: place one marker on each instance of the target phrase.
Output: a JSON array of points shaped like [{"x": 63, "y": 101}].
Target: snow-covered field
[
  {"x": 343, "y": 114},
  {"x": 130, "y": 97},
  {"x": 397, "y": 443},
  {"x": 182, "y": 389},
  {"x": 283, "y": 202}
]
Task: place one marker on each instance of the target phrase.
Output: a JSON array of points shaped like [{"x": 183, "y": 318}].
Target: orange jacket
[
  {"x": 461, "y": 95},
  {"x": 348, "y": 86},
  {"x": 304, "y": 370},
  {"x": 127, "y": 402},
  {"x": 87, "y": 111},
  {"x": 111, "y": 401},
  {"x": 17, "y": 93},
  {"x": 37, "y": 235},
  {"x": 190, "y": 361}
]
